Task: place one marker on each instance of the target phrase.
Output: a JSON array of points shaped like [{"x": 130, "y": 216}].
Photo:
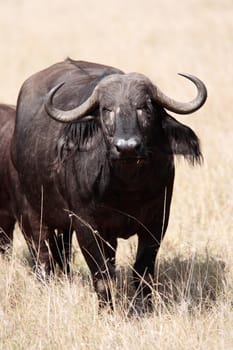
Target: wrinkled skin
[{"x": 109, "y": 176}]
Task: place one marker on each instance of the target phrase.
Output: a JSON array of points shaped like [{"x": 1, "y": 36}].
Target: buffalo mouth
[{"x": 130, "y": 161}]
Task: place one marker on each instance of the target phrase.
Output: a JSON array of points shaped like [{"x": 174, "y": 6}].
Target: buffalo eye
[
  {"x": 108, "y": 116},
  {"x": 106, "y": 110},
  {"x": 146, "y": 106},
  {"x": 144, "y": 114}
]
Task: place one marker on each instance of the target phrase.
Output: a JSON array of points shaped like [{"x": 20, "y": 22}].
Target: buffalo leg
[
  {"x": 144, "y": 265},
  {"x": 7, "y": 223},
  {"x": 63, "y": 249},
  {"x": 100, "y": 258},
  {"x": 148, "y": 245}
]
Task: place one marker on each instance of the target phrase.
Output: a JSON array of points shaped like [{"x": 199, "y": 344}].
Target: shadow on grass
[
  {"x": 191, "y": 282},
  {"x": 194, "y": 281},
  {"x": 199, "y": 279}
]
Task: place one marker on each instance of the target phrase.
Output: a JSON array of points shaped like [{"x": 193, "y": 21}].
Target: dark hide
[
  {"x": 13, "y": 204},
  {"x": 106, "y": 178},
  {"x": 80, "y": 137},
  {"x": 7, "y": 218}
]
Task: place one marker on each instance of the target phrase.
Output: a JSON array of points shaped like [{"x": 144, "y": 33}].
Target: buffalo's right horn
[{"x": 80, "y": 112}]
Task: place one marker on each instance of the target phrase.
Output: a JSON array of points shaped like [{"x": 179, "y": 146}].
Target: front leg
[
  {"x": 149, "y": 241},
  {"x": 62, "y": 244},
  {"x": 148, "y": 246},
  {"x": 100, "y": 257},
  {"x": 145, "y": 264}
]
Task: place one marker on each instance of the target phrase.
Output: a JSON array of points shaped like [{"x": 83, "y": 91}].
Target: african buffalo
[
  {"x": 7, "y": 217},
  {"x": 94, "y": 151}
]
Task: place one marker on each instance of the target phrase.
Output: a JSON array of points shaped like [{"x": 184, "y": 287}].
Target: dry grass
[{"x": 193, "y": 297}]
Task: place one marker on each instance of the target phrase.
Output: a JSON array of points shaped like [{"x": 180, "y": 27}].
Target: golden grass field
[{"x": 194, "y": 297}]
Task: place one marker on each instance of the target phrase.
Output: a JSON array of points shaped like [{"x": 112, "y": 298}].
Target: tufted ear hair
[{"x": 182, "y": 140}]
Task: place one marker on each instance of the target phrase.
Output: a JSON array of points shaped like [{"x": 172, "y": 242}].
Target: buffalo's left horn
[
  {"x": 182, "y": 107},
  {"x": 75, "y": 114}
]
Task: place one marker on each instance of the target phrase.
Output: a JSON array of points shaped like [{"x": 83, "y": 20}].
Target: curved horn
[
  {"x": 180, "y": 107},
  {"x": 73, "y": 114}
]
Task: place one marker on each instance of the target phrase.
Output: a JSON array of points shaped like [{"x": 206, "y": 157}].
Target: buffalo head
[{"x": 128, "y": 108}]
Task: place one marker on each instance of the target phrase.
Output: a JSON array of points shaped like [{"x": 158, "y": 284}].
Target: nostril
[
  {"x": 134, "y": 145},
  {"x": 118, "y": 148},
  {"x": 137, "y": 147},
  {"x": 120, "y": 145}
]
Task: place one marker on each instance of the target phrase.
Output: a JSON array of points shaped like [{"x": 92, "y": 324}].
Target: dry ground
[{"x": 193, "y": 309}]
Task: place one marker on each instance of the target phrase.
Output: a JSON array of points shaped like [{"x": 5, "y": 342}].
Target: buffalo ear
[{"x": 182, "y": 140}]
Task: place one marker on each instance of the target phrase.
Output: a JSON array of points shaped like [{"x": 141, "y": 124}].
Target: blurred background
[{"x": 159, "y": 39}]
